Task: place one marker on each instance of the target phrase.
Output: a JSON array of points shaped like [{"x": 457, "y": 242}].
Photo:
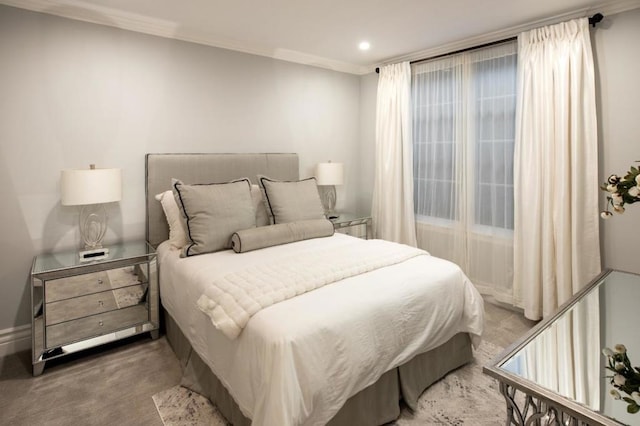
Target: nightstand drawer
[
  {"x": 96, "y": 325},
  {"x": 79, "y": 307},
  {"x": 97, "y": 303},
  {"x": 79, "y": 285}
]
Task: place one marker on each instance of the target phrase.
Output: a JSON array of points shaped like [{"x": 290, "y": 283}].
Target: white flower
[
  {"x": 607, "y": 352},
  {"x": 636, "y": 395},
  {"x": 618, "y": 208},
  {"x": 613, "y": 179},
  {"x": 615, "y": 394},
  {"x": 634, "y": 191},
  {"x": 612, "y": 188},
  {"x": 606, "y": 214},
  {"x": 638, "y": 180},
  {"x": 619, "y": 366},
  {"x": 616, "y": 198},
  {"x": 620, "y": 348},
  {"x": 619, "y": 380}
]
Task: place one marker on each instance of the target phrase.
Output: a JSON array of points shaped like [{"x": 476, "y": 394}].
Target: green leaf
[
  {"x": 633, "y": 408},
  {"x": 629, "y": 400}
]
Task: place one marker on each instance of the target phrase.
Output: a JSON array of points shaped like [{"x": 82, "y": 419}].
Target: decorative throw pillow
[
  {"x": 290, "y": 201},
  {"x": 213, "y": 212},
  {"x": 262, "y": 217},
  {"x": 177, "y": 233},
  {"x": 283, "y": 233}
]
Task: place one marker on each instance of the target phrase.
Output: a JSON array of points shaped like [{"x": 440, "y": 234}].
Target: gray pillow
[
  {"x": 213, "y": 212},
  {"x": 262, "y": 216},
  {"x": 290, "y": 201},
  {"x": 267, "y": 236}
]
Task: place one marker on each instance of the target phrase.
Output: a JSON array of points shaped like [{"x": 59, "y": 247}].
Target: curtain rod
[{"x": 593, "y": 20}]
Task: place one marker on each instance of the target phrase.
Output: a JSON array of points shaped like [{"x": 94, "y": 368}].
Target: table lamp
[
  {"x": 328, "y": 175},
  {"x": 91, "y": 188}
]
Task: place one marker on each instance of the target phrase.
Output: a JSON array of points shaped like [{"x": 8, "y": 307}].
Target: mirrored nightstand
[
  {"x": 78, "y": 305},
  {"x": 352, "y": 224}
]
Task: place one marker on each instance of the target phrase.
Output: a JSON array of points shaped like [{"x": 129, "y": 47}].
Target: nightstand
[
  {"x": 78, "y": 305},
  {"x": 349, "y": 222}
]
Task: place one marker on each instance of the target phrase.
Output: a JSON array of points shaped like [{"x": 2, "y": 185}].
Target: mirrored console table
[{"x": 556, "y": 375}]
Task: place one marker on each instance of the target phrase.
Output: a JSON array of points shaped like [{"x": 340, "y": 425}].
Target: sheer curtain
[
  {"x": 463, "y": 138},
  {"x": 392, "y": 208},
  {"x": 557, "y": 249}
]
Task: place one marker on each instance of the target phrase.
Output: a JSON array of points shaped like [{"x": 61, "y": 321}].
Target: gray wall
[
  {"x": 616, "y": 46},
  {"x": 73, "y": 93},
  {"x": 366, "y": 151}
]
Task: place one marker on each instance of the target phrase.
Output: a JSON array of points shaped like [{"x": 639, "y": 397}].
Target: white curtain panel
[
  {"x": 392, "y": 206},
  {"x": 463, "y": 131},
  {"x": 556, "y": 235}
]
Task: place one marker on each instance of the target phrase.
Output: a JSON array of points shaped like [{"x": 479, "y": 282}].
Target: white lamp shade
[
  {"x": 330, "y": 173},
  {"x": 90, "y": 186}
]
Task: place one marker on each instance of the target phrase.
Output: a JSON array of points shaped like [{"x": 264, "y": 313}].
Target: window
[
  {"x": 436, "y": 105},
  {"x": 463, "y": 136},
  {"x": 494, "y": 97}
]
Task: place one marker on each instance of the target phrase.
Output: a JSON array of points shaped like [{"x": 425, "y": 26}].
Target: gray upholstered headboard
[{"x": 205, "y": 168}]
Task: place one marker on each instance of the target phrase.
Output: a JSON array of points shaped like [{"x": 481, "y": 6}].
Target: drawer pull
[
  {"x": 100, "y": 303},
  {"x": 101, "y": 323},
  {"x": 100, "y": 281}
]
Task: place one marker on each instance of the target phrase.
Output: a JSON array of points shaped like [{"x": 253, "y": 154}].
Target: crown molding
[
  {"x": 82, "y": 11},
  {"x": 608, "y": 8}
]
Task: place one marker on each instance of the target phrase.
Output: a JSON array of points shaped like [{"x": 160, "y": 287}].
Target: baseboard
[{"x": 15, "y": 339}]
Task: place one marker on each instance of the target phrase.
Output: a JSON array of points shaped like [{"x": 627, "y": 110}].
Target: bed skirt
[{"x": 375, "y": 405}]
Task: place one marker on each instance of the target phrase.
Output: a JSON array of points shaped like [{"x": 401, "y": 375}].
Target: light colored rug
[{"x": 463, "y": 397}]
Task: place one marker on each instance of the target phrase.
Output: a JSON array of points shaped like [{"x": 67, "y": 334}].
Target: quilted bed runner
[{"x": 233, "y": 299}]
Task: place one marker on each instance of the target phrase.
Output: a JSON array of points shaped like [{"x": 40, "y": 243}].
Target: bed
[{"x": 323, "y": 357}]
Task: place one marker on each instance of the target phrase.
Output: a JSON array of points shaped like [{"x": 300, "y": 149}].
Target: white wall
[
  {"x": 73, "y": 93},
  {"x": 616, "y": 46}
]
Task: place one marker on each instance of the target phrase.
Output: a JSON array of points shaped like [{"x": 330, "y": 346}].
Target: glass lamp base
[
  {"x": 93, "y": 226},
  {"x": 328, "y": 198}
]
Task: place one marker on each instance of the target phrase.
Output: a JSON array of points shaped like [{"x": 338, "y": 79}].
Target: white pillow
[{"x": 177, "y": 233}]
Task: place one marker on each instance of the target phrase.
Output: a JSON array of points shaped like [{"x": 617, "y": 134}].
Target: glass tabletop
[
  {"x": 50, "y": 262},
  {"x": 566, "y": 354},
  {"x": 349, "y": 217}
]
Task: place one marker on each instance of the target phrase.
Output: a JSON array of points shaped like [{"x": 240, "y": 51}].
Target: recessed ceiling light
[{"x": 364, "y": 45}]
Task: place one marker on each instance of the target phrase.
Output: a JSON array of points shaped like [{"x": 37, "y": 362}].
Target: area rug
[{"x": 465, "y": 396}]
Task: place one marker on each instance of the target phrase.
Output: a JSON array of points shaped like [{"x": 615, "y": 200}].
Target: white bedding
[
  {"x": 298, "y": 361},
  {"x": 231, "y": 300}
]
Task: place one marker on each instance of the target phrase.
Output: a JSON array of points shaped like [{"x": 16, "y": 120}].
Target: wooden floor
[{"x": 114, "y": 385}]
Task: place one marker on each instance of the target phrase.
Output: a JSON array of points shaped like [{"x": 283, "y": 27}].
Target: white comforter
[
  {"x": 298, "y": 361},
  {"x": 231, "y": 300}
]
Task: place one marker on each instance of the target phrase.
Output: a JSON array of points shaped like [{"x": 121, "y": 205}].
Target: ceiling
[{"x": 326, "y": 33}]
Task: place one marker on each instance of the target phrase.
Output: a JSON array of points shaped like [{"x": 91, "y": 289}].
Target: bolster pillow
[{"x": 283, "y": 233}]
